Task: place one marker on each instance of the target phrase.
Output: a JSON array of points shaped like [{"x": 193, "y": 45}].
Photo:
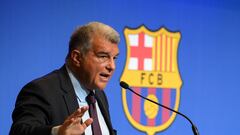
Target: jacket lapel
[{"x": 69, "y": 95}]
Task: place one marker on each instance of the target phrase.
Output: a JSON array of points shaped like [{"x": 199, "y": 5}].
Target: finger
[
  {"x": 87, "y": 123},
  {"x": 79, "y": 112},
  {"x": 83, "y": 110},
  {"x": 77, "y": 121},
  {"x": 67, "y": 123}
]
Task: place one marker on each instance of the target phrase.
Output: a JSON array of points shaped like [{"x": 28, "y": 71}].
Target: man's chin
[{"x": 101, "y": 86}]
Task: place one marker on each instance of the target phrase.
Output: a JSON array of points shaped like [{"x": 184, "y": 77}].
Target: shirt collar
[{"x": 80, "y": 91}]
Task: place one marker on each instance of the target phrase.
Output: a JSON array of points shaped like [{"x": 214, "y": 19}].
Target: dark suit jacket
[{"x": 46, "y": 102}]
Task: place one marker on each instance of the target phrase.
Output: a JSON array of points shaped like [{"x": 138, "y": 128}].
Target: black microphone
[{"x": 126, "y": 86}]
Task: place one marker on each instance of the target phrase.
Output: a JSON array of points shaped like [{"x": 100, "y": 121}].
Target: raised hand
[{"x": 72, "y": 125}]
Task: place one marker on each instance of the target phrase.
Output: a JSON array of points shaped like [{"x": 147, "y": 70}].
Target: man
[{"x": 55, "y": 104}]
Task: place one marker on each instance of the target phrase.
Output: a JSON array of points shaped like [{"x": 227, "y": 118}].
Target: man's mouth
[{"x": 105, "y": 76}]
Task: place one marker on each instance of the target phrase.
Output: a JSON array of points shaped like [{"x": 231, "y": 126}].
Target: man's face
[{"x": 98, "y": 64}]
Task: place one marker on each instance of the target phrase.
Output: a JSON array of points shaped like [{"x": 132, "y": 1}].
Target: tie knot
[{"x": 91, "y": 98}]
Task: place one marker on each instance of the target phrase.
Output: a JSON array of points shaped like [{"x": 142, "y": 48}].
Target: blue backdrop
[{"x": 34, "y": 39}]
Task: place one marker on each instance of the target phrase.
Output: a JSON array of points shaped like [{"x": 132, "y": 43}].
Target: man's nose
[{"x": 111, "y": 65}]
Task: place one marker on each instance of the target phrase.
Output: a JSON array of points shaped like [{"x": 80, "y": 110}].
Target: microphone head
[{"x": 124, "y": 85}]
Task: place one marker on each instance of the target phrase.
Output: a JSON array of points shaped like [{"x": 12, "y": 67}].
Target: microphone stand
[{"x": 126, "y": 86}]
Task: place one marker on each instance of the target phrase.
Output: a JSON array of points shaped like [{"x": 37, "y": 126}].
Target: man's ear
[{"x": 76, "y": 57}]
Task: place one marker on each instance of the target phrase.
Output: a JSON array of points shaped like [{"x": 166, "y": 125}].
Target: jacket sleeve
[{"x": 32, "y": 112}]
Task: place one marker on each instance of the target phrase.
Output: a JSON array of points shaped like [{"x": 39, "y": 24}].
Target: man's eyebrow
[
  {"x": 107, "y": 53},
  {"x": 103, "y": 53}
]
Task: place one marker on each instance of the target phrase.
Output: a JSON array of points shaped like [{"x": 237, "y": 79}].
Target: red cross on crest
[{"x": 146, "y": 52}]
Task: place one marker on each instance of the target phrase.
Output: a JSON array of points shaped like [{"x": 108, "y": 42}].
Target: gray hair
[{"x": 83, "y": 35}]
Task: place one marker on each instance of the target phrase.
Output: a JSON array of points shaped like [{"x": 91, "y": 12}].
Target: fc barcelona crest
[{"x": 152, "y": 71}]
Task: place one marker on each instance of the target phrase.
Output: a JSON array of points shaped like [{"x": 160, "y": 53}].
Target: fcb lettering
[{"x": 151, "y": 78}]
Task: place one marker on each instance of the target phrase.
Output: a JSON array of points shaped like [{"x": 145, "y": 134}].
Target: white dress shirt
[{"x": 81, "y": 96}]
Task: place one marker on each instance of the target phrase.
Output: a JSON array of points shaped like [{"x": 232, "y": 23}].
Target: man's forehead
[
  {"x": 103, "y": 43},
  {"x": 107, "y": 50}
]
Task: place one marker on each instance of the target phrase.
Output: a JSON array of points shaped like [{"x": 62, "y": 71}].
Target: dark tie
[{"x": 93, "y": 113}]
